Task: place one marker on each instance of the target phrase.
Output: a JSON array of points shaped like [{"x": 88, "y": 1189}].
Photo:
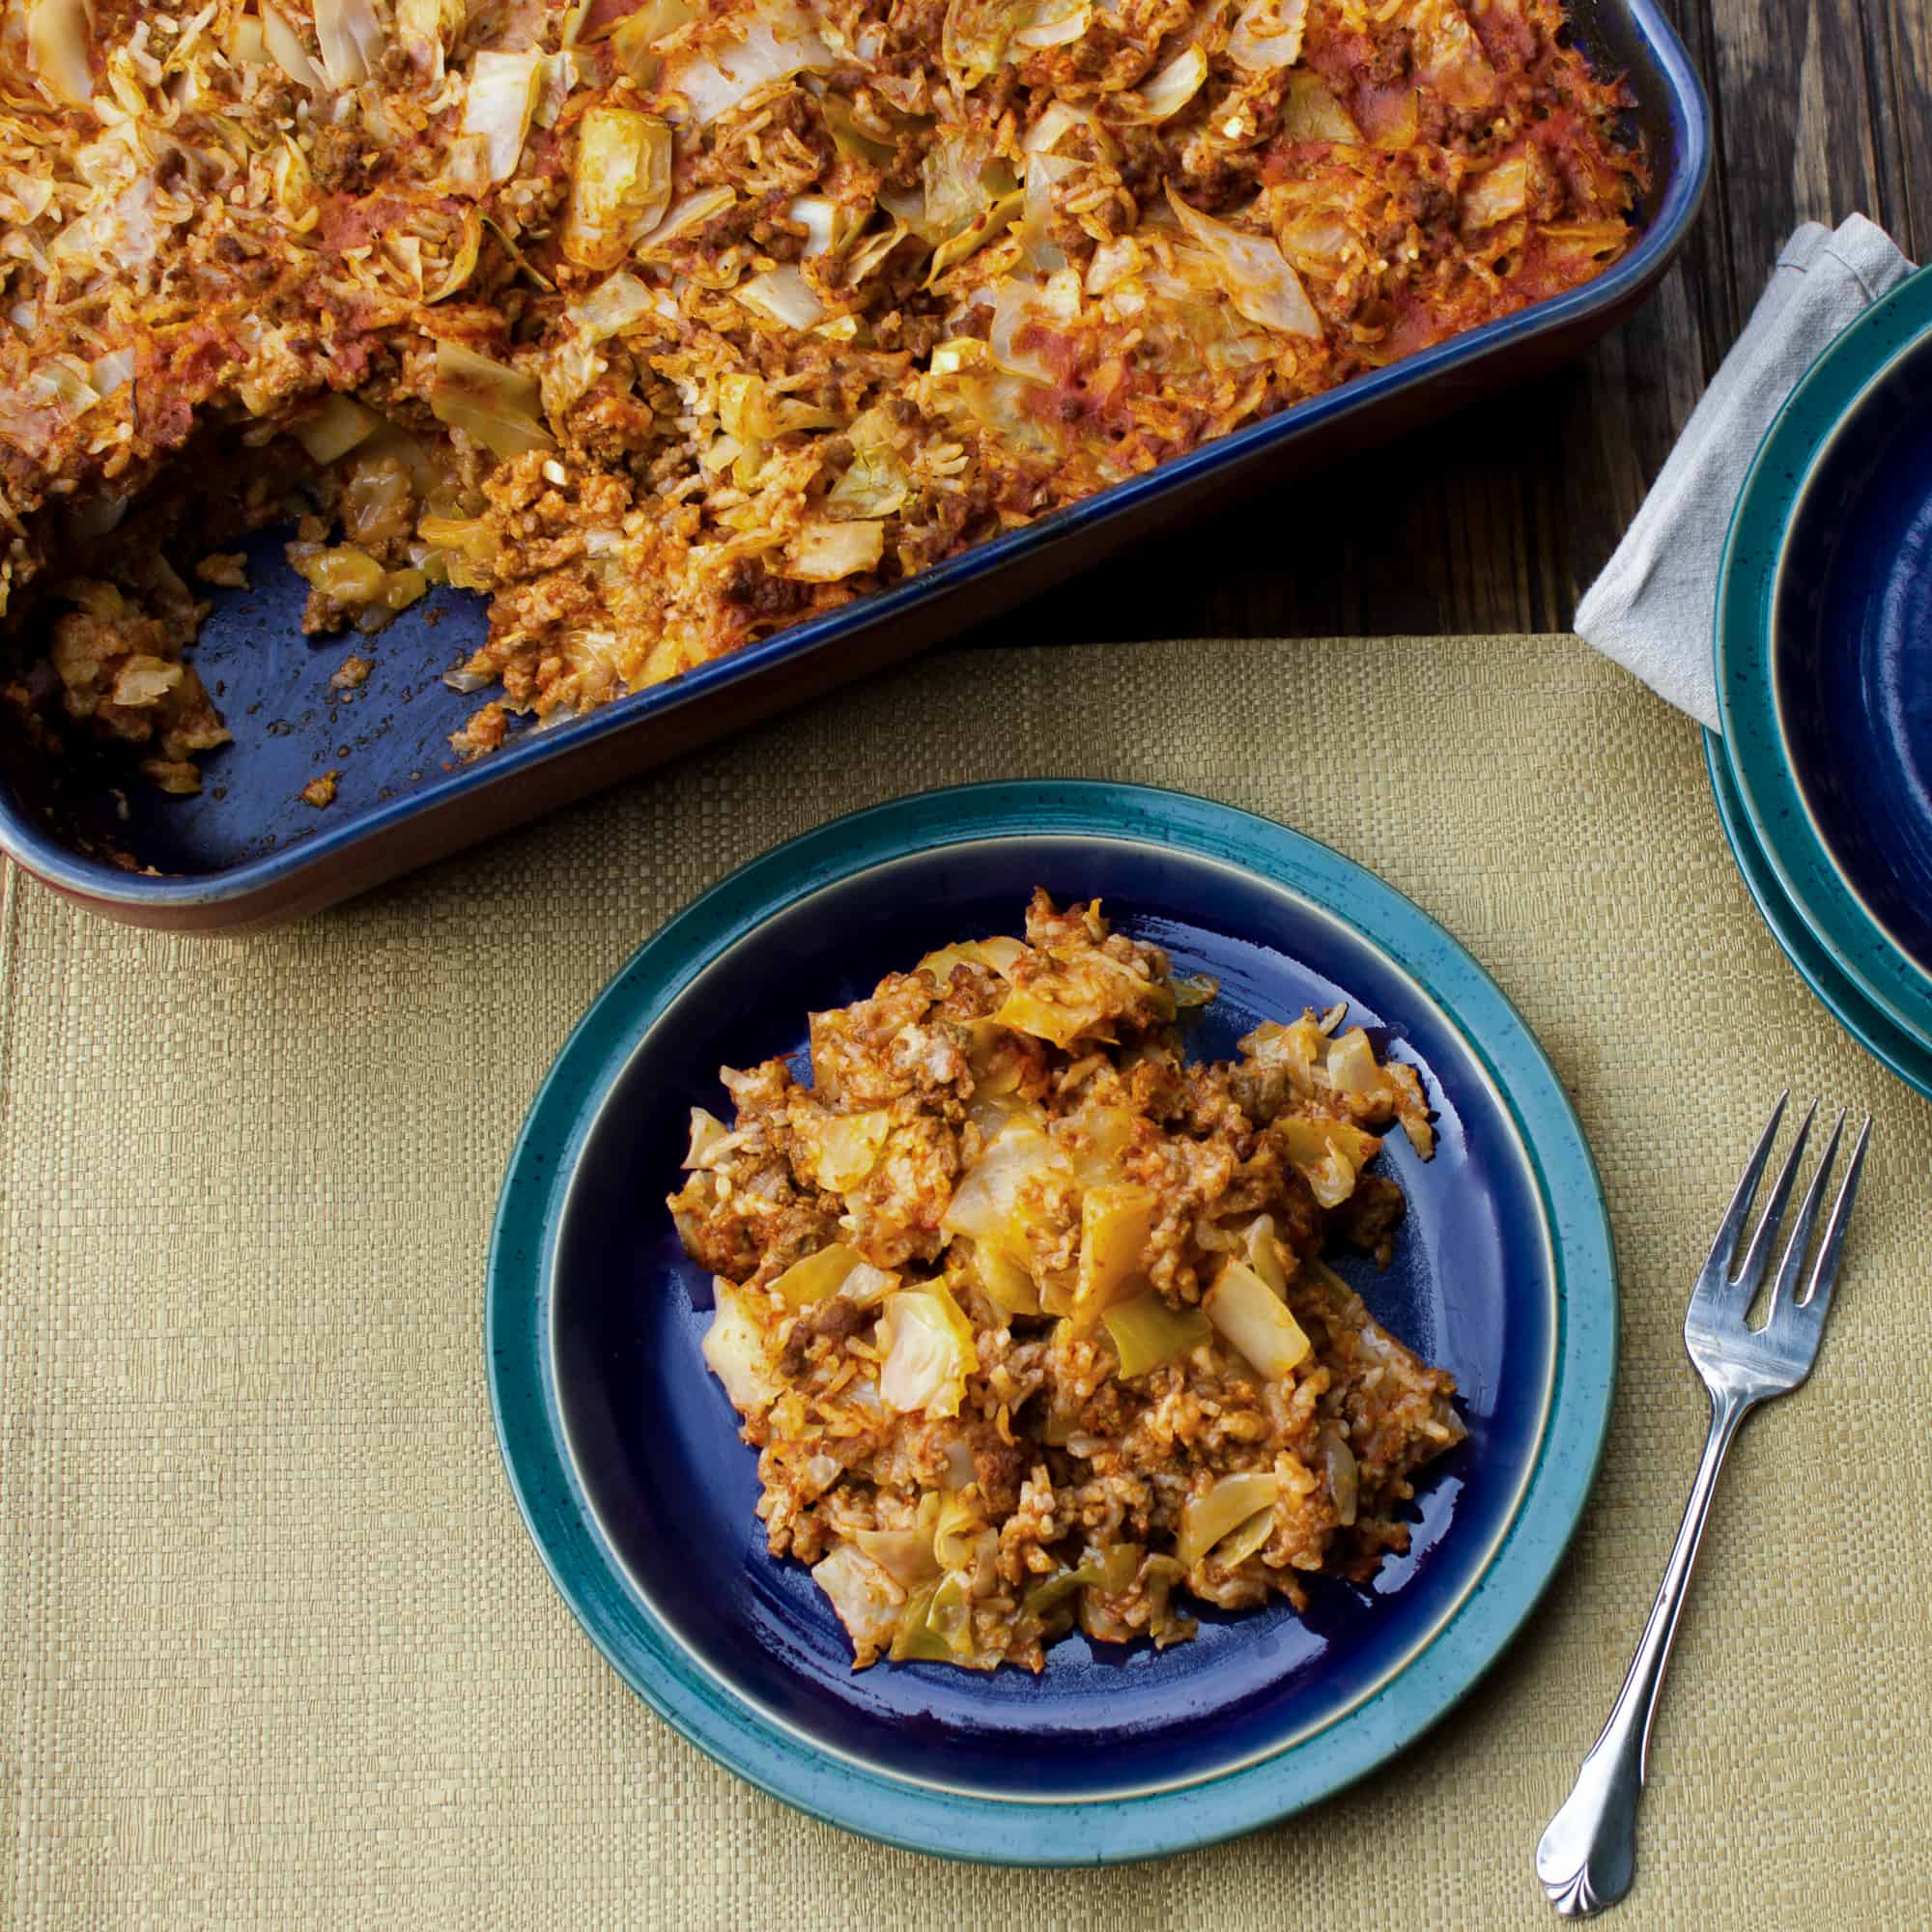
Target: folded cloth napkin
[{"x": 1652, "y": 607}]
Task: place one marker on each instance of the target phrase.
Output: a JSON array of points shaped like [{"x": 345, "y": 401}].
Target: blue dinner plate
[
  {"x": 1896, "y": 1049},
  {"x": 1824, "y": 655},
  {"x": 624, "y": 1452}
]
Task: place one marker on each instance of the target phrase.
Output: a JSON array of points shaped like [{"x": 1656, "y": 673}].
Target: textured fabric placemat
[{"x": 277, "y": 1651}]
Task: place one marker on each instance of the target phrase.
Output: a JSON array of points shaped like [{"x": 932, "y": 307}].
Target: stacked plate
[{"x": 1823, "y": 776}]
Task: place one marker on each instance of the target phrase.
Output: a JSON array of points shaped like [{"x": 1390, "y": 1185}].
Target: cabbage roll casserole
[
  {"x": 1026, "y": 1316},
  {"x": 663, "y": 325}
]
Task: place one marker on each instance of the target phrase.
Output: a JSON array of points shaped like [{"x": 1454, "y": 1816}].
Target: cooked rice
[{"x": 1026, "y": 1314}]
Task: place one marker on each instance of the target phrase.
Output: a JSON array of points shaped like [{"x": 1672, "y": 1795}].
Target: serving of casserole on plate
[
  {"x": 1202, "y": 1479},
  {"x": 1027, "y": 1313}
]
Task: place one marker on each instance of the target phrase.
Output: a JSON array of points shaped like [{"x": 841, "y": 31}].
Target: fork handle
[{"x": 1588, "y": 1854}]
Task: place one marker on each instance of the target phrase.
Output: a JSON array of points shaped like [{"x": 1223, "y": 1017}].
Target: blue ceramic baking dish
[{"x": 247, "y": 852}]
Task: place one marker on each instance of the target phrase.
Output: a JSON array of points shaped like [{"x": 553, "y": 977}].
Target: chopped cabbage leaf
[
  {"x": 1310, "y": 112},
  {"x": 1329, "y": 1154},
  {"x": 1148, "y": 1332},
  {"x": 683, "y": 218},
  {"x": 783, "y": 296},
  {"x": 927, "y": 1346},
  {"x": 1256, "y": 1321},
  {"x": 495, "y": 405},
  {"x": 863, "y": 1592},
  {"x": 816, "y": 1277},
  {"x": 1229, "y": 1502},
  {"x": 620, "y": 186},
  {"x": 501, "y": 99},
  {"x": 1166, "y": 93},
  {"x": 706, "y": 1131},
  {"x": 1116, "y": 1225},
  {"x": 1264, "y": 1253},
  {"x": 823, "y": 552},
  {"x": 735, "y": 1349},
  {"x": 1242, "y": 1542},
  {"x": 1255, "y": 272},
  {"x": 1496, "y": 193},
  {"x": 1267, "y": 35},
  {"x": 60, "y": 42},
  {"x": 739, "y": 58},
  {"x": 840, "y": 1150},
  {"x": 352, "y": 40},
  {"x": 339, "y": 423}
]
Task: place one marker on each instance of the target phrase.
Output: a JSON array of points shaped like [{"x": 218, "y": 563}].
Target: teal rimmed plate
[
  {"x": 624, "y": 1452},
  {"x": 1822, "y": 635},
  {"x": 1887, "y": 1043}
]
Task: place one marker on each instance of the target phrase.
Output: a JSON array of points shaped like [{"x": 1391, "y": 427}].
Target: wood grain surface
[{"x": 1498, "y": 519}]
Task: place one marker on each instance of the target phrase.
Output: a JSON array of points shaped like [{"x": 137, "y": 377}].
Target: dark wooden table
[{"x": 1498, "y": 518}]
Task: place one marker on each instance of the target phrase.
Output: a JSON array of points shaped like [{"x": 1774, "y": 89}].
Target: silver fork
[{"x": 1588, "y": 1855}]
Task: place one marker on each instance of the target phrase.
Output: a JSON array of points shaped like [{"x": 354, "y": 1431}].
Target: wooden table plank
[{"x": 1497, "y": 519}]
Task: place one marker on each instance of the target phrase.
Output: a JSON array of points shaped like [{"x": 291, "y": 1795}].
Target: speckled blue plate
[
  {"x": 624, "y": 1452},
  {"x": 1886, "y": 1042},
  {"x": 1824, "y": 654}
]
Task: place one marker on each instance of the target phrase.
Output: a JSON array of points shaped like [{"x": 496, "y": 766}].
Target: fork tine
[
  {"x": 1744, "y": 1283},
  {"x": 1783, "y": 1291},
  {"x": 1725, "y": 1246},
  {"x": 1825, "y": 1270}
]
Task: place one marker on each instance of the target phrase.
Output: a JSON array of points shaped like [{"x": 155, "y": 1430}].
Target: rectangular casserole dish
[{"x": 247, "y": 852}]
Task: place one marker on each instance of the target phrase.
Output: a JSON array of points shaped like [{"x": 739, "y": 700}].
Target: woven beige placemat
[{"x": 277, "y": 1651}]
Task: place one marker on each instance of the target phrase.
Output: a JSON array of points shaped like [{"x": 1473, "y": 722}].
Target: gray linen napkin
[{"x": 1652, "y": 608}]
